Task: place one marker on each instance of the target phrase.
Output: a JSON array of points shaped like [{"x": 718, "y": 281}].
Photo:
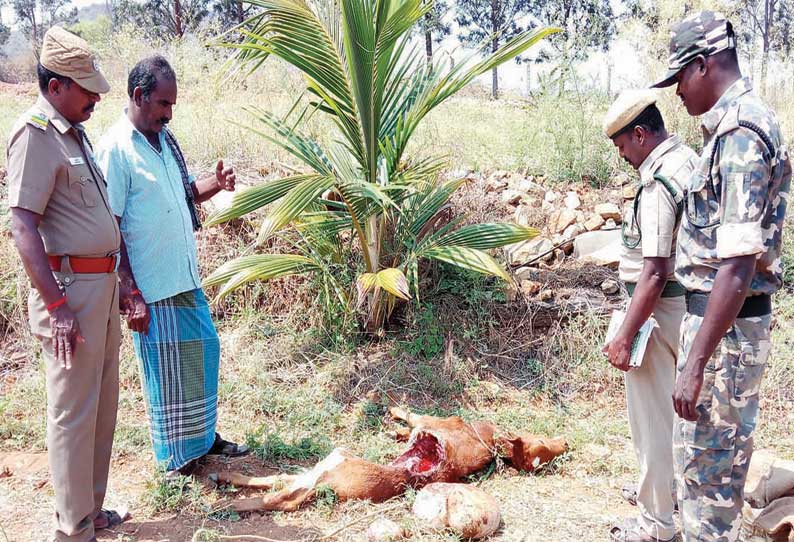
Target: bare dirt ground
[{"x": 534, "y": 508}]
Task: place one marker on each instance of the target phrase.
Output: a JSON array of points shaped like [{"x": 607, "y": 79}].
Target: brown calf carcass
[{"x": 439, "y": 450}]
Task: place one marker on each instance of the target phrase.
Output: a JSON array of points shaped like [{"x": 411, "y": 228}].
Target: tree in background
[
  {"x": 35, "y": 17},
  {"x": 433, "y": 27},
  {"x": 496, "y": 20},
  {"x": 588, "y": 26},
  {"x": 230, "y": 13},
  {"x": 162, "y": 18},
  {"x": 5, "y": 32},
  {"x": 767, "y": 24}
]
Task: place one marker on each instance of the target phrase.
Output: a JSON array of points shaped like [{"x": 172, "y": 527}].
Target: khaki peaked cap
[
  {"x": 626, "y": 108},
  {"x": 68, "y": 55}
]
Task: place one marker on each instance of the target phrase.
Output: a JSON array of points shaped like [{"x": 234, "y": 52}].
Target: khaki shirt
[
  {"x": 656, "y": 224},
  {"x": 51, "y": 172}
]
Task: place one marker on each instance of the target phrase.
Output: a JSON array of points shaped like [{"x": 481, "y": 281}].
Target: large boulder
[
  {"x": 601, "y": 247},
  {"x": 466, "y": 510}
]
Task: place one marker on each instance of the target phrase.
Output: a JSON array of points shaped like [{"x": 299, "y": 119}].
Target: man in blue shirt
[{"x": 153, "y": 197}]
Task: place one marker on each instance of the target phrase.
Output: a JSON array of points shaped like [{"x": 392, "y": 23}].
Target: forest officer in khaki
[
  {"x": 69, "y": 242},
  {"x": 663, "y": 163}
]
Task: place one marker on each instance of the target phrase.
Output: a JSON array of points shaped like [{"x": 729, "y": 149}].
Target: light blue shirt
[{"x": 145, "y": 189}]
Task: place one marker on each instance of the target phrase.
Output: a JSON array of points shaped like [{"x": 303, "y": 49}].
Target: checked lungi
[{"x": 179, "y": 359}]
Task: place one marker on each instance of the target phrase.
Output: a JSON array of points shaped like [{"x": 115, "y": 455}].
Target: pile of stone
[{"x": 577, "y": 223}]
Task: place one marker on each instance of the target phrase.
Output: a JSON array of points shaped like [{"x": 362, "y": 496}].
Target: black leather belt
[
  {"x": 671, "y": 289},
  {"x": 757, "y": 305}
]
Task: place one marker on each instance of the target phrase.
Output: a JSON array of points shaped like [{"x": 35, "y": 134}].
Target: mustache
[{"x": 164, "y": 121}]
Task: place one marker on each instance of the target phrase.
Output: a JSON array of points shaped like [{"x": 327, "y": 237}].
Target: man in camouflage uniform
[{"x": 729, "y": 261}]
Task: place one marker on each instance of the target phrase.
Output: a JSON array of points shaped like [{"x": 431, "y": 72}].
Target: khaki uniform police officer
[{"x": 68, "y": 240}]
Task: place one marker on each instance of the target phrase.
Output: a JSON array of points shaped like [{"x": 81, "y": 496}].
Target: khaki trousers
[
  {"x": 649, "y": 391},
  {"x": 81, "y": 402}
]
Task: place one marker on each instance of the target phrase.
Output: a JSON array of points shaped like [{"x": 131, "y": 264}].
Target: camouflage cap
[
  {"x": 702, "y": 33},
  {"x": 68, "y": 55}
]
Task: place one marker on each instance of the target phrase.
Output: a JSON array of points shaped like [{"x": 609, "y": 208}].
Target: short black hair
[
  {"x": 146, "y": 72},
  {"x": 45, "y": 75},
  {"x": 727, "y": 59},
  {"x": 650, "y": 118}
]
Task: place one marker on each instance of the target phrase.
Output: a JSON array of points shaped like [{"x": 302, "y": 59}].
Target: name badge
[{"x": 77, "y": 161}]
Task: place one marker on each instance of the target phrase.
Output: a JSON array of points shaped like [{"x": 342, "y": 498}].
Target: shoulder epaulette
[{"x": 39, "y": 120}]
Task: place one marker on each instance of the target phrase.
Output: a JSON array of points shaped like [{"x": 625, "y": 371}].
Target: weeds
[
  {"x": 271, "y": 447},
  {"x": 178, "y": 494},
  {"x": 325, "y": 497}
]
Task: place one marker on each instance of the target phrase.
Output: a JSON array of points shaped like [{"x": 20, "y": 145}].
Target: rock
[
  {"x": 547, "y": 207},
  {"x": 610, "y": 224},
  {"x": 559, "y": 256},
  {"x": 530, "y": 201},
  {"x": 221, "y": 200},
  {"x": 466, "y": 510},
  {"x": 599, "y": 247},
  {"x": 629, "y": 190},
  {"x": 572, "y": 231},
  {"x": 524, "y": 215},
  {"x": 561, "y": 219},
  {"x": 525, "y": 251},
  {"x": 495, "y": 185},
  {"x": 528, "y": 186},
  {"x": 607, "y": 211},
  {"x": 530, "y": 287},
  {"x": 610, "y": 287},
  {"x": 524, "y": 273},
  {"x": 546, "y": 295},
  {"x": 572, "y": 201},
  {"x": 580, "y": 216},
  {"x": 385, "y": 530},
  {"x": 593, "y": 222},
  {"x": 550, "y": 196},
  {"x": 511, "y": 197}
]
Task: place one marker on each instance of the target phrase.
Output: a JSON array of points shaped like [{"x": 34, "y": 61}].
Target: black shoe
[{"x": 227, "y": 449}]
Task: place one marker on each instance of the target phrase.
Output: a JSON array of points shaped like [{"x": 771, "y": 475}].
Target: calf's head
[{"x": 528, "y": 452}]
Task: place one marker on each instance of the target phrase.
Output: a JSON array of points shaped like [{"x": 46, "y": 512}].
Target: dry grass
[{"x": 525, "y": 365}]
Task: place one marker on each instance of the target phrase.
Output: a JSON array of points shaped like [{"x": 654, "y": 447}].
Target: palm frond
[
  {"x": 485, "y": 236},
  {"x": 468, "y": 258},
  {"x": 255, "y": 197},
  {"x": 237, "y": 272},
  {"x": 294, "y": 203}
]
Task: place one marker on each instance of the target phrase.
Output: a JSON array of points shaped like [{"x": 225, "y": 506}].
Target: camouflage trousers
[{"x": 711, "y": 455}]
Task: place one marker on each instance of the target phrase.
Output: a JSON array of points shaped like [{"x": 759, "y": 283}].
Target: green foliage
[
  {"x": 426, "y": 336},
  {"x": 162, "y": 18},
  {"x": 363, "y": 190},
  {"x": 179, "y": 493},
  {"x": 271, "y": 447},
  {"x": 35, "y": 17},
  {"x": 371, "y": 418},
  {"x": 325, "y": 497}
]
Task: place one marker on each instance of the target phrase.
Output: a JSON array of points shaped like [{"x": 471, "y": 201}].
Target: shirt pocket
[
  {"x": 702, "y": 206},
  {"x": 82, "y": 189}
]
